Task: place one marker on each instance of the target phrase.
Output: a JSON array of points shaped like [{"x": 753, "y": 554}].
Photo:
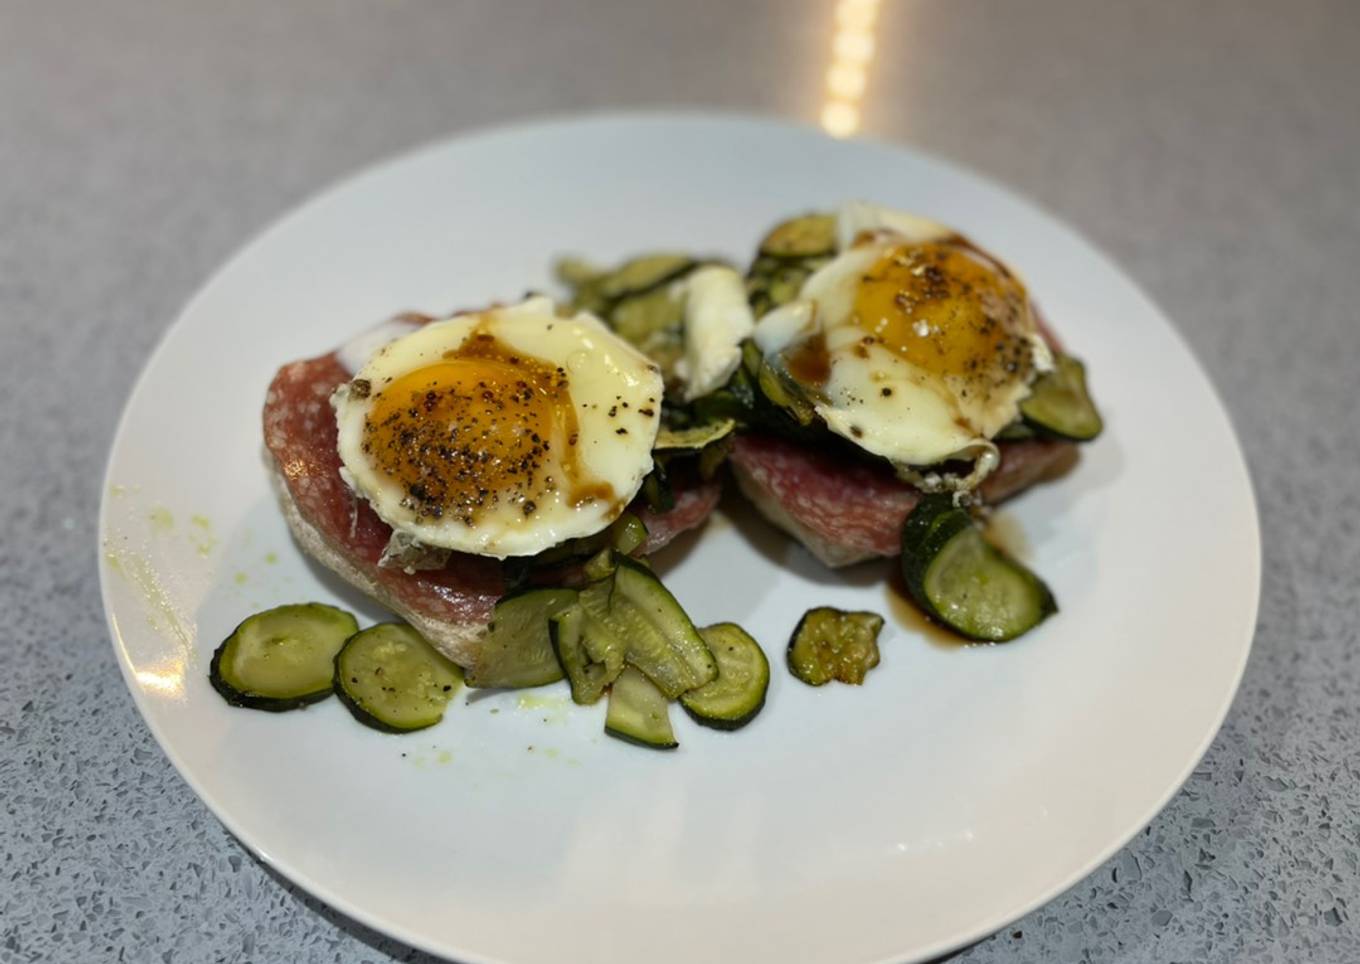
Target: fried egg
[
  {"x": 912, "y": 343},
  {"x": 501, "y": 432}
]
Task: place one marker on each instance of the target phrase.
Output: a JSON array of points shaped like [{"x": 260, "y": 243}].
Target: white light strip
[{"x": 852, "y": 50}]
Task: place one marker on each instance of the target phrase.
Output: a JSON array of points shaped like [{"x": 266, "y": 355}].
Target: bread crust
[
  {"x": 458, "y": 641},
  {"x": 832, "y": 554}
]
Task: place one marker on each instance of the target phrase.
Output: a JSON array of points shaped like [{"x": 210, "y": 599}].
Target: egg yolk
[
  {"x": 946, "y": 311},
  {"x": 483, "y": 428}
]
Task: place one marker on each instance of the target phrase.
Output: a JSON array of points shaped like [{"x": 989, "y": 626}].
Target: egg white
[{"x": 614, "y": 391}]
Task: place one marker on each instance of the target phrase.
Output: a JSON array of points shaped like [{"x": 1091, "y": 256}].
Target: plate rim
[{"x": 539, "y": 123}]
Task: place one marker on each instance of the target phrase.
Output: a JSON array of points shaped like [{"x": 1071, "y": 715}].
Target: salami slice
[{"x": 846, "y": 511}]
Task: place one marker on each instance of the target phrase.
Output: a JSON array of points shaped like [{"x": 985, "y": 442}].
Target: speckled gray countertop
[{"x": 1213, "y": 148}]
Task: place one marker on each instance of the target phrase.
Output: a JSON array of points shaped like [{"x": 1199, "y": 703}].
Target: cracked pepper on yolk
[
  {"x": 944, "y": 310},
  {"x": 475, "y": 431}
]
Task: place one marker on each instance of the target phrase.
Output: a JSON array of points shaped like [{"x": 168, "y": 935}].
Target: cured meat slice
[{"x": 847, "y": 510}]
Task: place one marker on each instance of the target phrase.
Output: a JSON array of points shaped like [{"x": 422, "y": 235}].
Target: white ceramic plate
[{"x": 956, "y": 790}]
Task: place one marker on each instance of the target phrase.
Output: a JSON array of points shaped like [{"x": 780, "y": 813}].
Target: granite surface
[{"x": 1212, "y": 148}]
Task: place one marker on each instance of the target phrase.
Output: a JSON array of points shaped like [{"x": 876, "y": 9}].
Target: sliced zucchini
[
  {"x": 589, "y": 652},
  {"x": 963, "y": 581},
  {"x": 628, "y": 534},
  {"x": 712, "y": 457},
  {"x": 801, "y": 237},
  {"x": 604, "y": 642},
  {"x": 1059, "y": 404},
  {"x": 639, "y": 712},
  {"x": 708, "y": 441},
  {"x": 783, "y": 392},
  {"x": 643, "y": 274},
  {"x": 575, "y": 272},
  {"x": 696, "y": 436},
  {"x": 1019, "y": 429},
  {"x": 393, "y": 680},
  {"x": 737, "y": 695},
  {"x": 662, "y": 641},
  {"x": 283, "y": 658},
  {"x": 642, "y": 318},
  {"x": 516, "y": 651},
  {"x": 832, "y": 644},
  {"x": 656, "y": 488},
  {"x": 654, "y": 324},
  {"x": 599, "y": 566},
  {"x": 772, "y": 282},
  {"x": 584, "y": 280}
]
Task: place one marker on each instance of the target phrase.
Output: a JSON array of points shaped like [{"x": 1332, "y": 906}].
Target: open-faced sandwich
[
  {"x": 437, "y": 464},
  {"x": 888, "y": 369},
  {"x": 496, "y": 478},
  {"x": 480, "y": 475}
]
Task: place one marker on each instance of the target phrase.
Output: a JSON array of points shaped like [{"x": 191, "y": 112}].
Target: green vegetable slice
[
  {"x": 801, "y": 237},
  {"x": 639, "y": 712},
  {"x": 516, "y": 651},
  {"x": 575, "y": 272},
  {"x": 642, "y": 274},
  {"x": 656, "y": 488},
  {"x": 628, "y": 534},
  {"x": 393, "y": 680},
  {"x": 1015, "y": 431},
  {"x": 783, "y": 392},
  {"x": 963, "y": 581},
  {"x": 662, "y": 641},
  {"x": 653, "y": 323},
  {"x": 281, "y": 659},
  {"x": 772, "y": 282},
  {"x": 737, "y": 695},
  {"x": 590, "y": 653},
  {"x": 1059, "y": 404},
  {"x": 831, "y": 644},
  {"x": 694, "y": 437}
]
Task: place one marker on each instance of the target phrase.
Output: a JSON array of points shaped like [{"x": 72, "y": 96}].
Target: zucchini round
[
  {"x": 516, "y": 651},
  {"x": 393, "y": 680},
  {"x": 281, "y": 659},
  {"x": 1059, "y": 405},
  {"x": 801, "y": 237},
  {"x": 696, "y": 437},
  {"x": 639, "y": 713},
  {"x": 963, "y": 581},
  {"x": 590, "y": 653},
  {"x": 643, "y": 274},
  {"x": 662, "y": 641},
  {"x": 737, "y": 695},
  {"x": 831, "y": 644}
]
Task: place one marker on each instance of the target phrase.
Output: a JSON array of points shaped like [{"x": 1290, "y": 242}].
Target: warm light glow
[
  {"x": 846, "y": 81},
  {"x": 852, "y": 49},
  {"x": 856, "y": 14},
  {"x": 840, "y": 119}
]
